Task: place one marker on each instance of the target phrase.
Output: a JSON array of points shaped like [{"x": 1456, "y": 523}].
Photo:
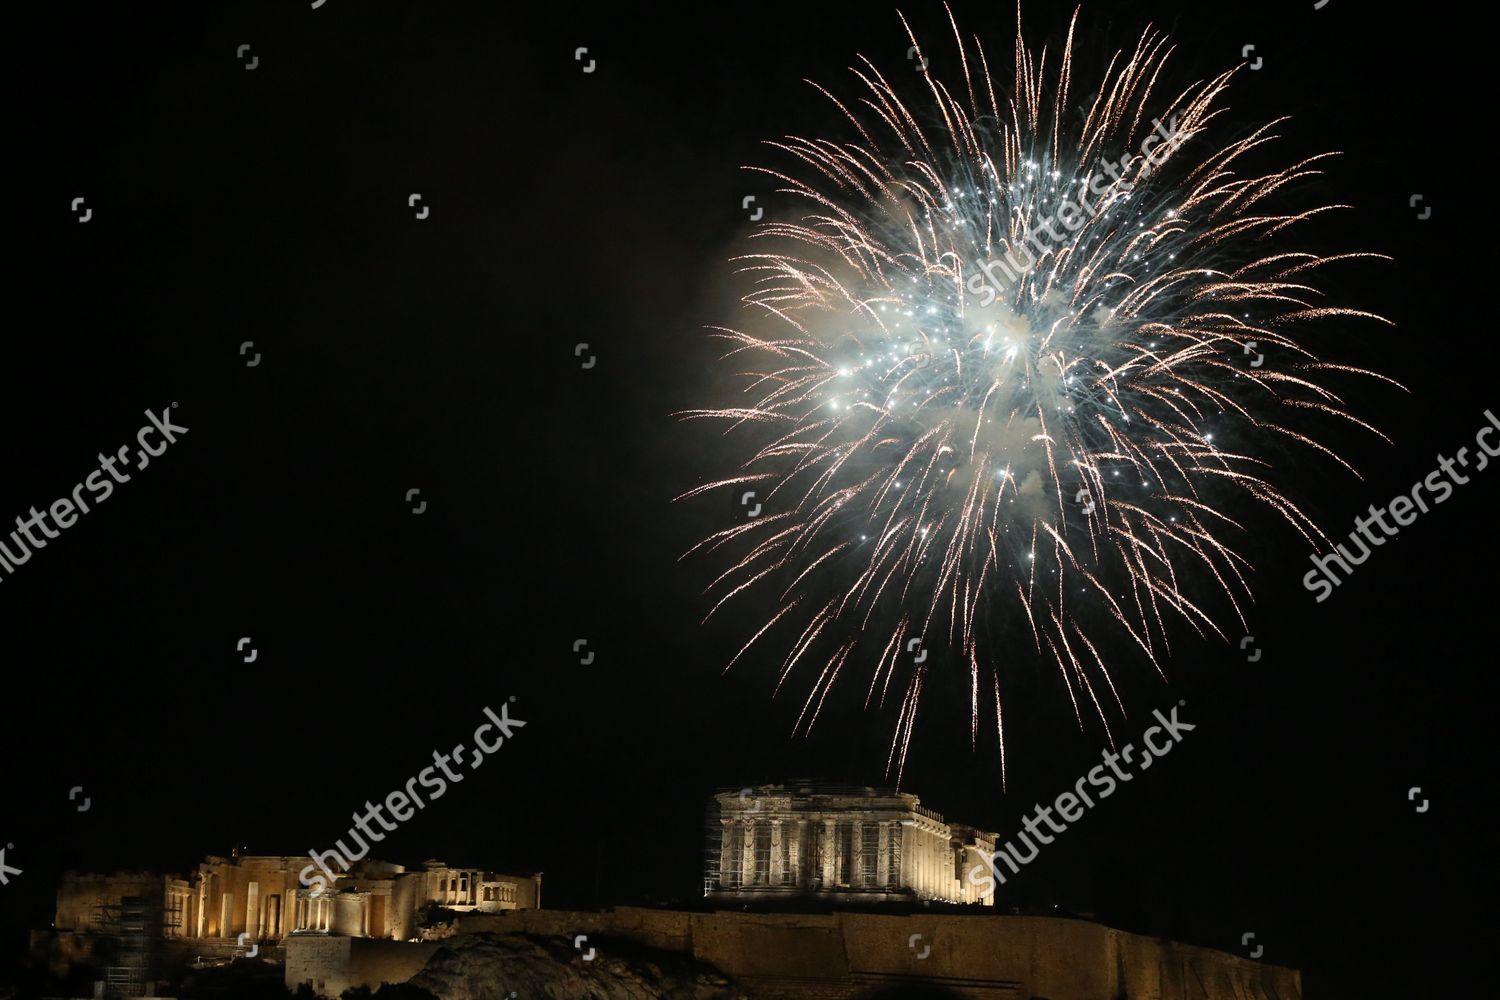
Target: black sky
[{"x": 270, "y": 206}]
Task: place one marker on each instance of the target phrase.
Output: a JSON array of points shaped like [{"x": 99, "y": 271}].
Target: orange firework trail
[{"x": 984, "y": 372}]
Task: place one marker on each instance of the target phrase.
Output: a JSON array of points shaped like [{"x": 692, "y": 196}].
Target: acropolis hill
[{"x": 466, "y": 932}]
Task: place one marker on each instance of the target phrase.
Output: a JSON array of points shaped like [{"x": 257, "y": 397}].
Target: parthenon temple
[{"x": 838, "y": 842}]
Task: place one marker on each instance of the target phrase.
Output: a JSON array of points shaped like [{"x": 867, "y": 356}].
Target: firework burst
[{"x": 984, "y": 374}]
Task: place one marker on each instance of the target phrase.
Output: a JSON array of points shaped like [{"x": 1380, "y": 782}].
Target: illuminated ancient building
[
  {"x": 851, "y": 844},
  {"x": 264, "y": 898}
]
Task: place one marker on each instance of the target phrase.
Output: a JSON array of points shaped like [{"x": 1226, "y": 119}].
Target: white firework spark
[{"x": 970, "y": 430}]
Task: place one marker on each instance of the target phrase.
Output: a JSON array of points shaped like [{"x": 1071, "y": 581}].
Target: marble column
[
  {"x": 203, "y": 906},
  {"x": 829, "y": 870},
  {"x": 726, "y": 854},
  {"x": 747, "y": 857},
  {"x": 794, "y": 852},
  {"x": 908, "y": 856},
  {"x": 857, "y": 854},
  {"x": 776, "y": 871},
  {"x": 883, "y": 859},
  {"x": 252, "y": 911}
]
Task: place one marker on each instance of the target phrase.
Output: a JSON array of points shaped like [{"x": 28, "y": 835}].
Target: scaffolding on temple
[
  {"x": 852, "y": 844},
  {"x": 801, "y": 837},
  {"x": 713, "y": 846},
  {"x": 135, "y": 927}
]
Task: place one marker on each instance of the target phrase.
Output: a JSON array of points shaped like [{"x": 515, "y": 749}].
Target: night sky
[{"x": 271, "y": 206}]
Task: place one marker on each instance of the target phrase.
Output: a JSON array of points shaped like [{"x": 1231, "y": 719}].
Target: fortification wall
[{"x": 851, "y": 956}]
